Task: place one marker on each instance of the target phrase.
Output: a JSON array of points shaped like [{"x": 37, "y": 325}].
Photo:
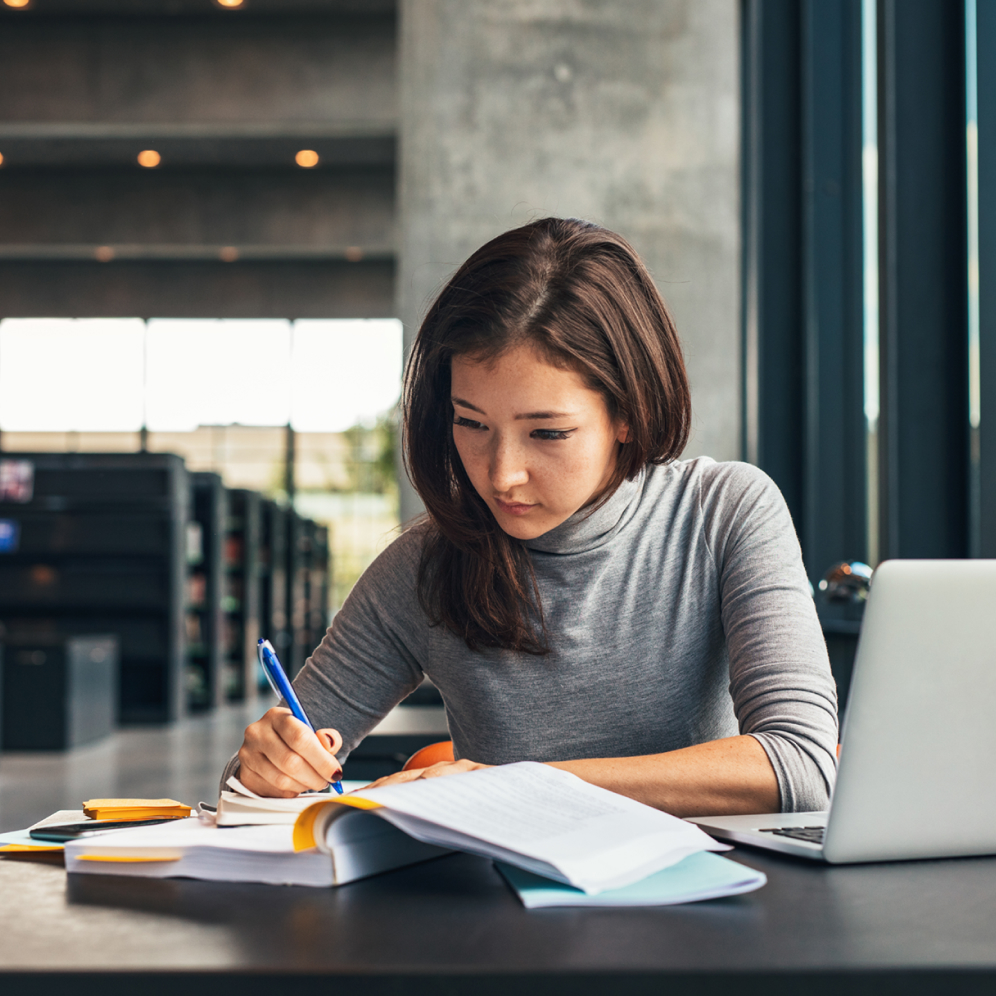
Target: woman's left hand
[{"x": 433, "y": 771}]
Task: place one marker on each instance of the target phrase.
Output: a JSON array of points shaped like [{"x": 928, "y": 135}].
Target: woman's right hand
[{"x": 281, "y": 757}]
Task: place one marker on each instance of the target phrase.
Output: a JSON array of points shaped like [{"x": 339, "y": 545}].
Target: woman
[{"x": 577, "y": 595}]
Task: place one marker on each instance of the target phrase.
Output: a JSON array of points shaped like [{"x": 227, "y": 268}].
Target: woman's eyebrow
[
  {"x": 525, "y": 416},
  {"x": 537, "y": 415},
  {"x": 467, "y": 404}
]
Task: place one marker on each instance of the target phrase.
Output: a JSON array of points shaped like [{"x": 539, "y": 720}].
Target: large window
[
  {"x": 303, "y": 411},
  {"x": 868, "y": 272}
]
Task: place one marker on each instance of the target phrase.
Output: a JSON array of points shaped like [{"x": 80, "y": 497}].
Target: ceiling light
[
  {"x": 16, "y": 3},
  {"x": 307, "y": 158},
  {"x": 229, "y": 3},
  {"x": 149, "y": 158},
  {"x": 1, "y": 159}
]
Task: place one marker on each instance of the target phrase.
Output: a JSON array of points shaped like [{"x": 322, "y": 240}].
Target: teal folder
[{"x": 702, "y": 875}]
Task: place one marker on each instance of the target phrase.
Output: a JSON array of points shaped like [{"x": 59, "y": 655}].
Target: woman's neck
[{"x": 591, "y": 526}]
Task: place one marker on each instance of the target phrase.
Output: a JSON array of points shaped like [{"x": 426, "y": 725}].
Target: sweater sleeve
[
  {"x": 368, "y": 660},
  {"x": 783, "y": 691}
]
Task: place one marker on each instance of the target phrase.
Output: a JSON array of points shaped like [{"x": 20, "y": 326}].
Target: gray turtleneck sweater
[{"x": 679, "y": 612}]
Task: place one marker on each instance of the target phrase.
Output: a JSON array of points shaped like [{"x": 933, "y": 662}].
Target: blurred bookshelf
[
  {"x": 204, "y": 604},
  {"x": 273, "y": 581},
  {"x": 307, "y": 587},
  {"x": 100, "y": 547},
  {"x": 258, "y": 527},
  {"x": 318, "y": 589},
  {"x": 242, "y": 595},
  {"x": 254, "y": 562}
]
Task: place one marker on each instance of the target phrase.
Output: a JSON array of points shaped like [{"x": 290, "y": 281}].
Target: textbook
[
  {"x": 191, "y": 848},
  {"x": 535, "y": 817},
  {"x": 530, "y": 815}
]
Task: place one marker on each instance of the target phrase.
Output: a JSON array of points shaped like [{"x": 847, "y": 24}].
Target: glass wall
[{"x": 301, "y": 411}]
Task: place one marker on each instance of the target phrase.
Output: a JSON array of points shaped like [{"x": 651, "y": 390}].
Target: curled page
[{"x": 545, "y": 820}]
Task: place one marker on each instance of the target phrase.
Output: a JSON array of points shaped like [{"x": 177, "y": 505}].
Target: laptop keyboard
[{"x": 814, "y": 835}]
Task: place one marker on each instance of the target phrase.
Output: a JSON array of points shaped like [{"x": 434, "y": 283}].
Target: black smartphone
[{"x": 61, "y": 832}]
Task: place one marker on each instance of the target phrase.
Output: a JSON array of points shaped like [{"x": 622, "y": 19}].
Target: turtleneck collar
[{"x": 585, "y": 529}]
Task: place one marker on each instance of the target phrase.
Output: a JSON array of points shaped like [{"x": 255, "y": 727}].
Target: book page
[
  {"x": 178, "y": 835},
  {"x": 595, "y": 838},
  {"x": 233, "y": 802},
  {"x": 513, "y": 804}
]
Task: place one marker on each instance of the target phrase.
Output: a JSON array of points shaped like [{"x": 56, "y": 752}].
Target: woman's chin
[{"x": 529, "y": 526}]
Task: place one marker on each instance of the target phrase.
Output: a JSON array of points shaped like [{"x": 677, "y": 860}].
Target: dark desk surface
[{"x": 452, "y": 926}]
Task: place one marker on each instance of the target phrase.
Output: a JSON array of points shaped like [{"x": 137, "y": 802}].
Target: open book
[{"x": 529, "y": 815}]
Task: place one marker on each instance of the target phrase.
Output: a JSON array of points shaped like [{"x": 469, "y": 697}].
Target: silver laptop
[{"x": 917, "y": 773}]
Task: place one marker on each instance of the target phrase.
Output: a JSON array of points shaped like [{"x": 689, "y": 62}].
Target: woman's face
[{"x": 537, "y": 443}]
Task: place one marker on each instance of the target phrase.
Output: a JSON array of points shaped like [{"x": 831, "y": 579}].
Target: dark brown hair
[{"x": 580, "y": 295}]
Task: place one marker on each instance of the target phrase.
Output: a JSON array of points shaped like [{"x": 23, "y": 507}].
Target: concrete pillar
[{"x": 622, "y": 112}]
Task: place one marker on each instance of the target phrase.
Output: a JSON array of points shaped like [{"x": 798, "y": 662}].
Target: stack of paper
[{"x": 239, "y": 806}]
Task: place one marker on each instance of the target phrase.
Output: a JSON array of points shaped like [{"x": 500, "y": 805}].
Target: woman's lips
[{"x": 513, "y": 507}]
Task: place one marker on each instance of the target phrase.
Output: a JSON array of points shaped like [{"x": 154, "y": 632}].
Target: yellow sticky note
[{"x": 133, "y": 809}]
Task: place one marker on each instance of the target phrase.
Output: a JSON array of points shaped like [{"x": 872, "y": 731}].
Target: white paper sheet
[{"x": 588, "y": 836}]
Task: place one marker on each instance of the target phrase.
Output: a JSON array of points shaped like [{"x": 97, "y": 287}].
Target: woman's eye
[
  {"x": 552, "y": 434},
  {"x": 467, "y": 423}
]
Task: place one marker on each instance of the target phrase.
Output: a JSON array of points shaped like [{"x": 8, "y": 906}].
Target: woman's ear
[{"x": 622, "y": 435}]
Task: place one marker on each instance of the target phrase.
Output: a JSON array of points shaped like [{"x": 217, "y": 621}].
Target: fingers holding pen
[
  {"x": 316, "y": 749},
  {"x": 287, "y": 755},
  {"x": 260, "y": 775}
]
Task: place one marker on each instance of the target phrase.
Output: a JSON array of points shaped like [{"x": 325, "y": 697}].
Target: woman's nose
[{"x": 508, "y": 467}]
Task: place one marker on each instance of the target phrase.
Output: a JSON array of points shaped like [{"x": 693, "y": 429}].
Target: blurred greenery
[{"x": 371, "y": 465}]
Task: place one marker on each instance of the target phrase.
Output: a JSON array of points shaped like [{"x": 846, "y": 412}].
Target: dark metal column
[
  {"x": 772, "y": 262},
  {"x": 986, "y": 455},
  {"x": 834, "y": 517},
  {"x": 803, "y": 330},
  {"x": 922, "y": 199}
]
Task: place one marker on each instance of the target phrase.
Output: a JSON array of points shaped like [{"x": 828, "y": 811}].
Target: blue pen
[{"x": 277, "y": 678}]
